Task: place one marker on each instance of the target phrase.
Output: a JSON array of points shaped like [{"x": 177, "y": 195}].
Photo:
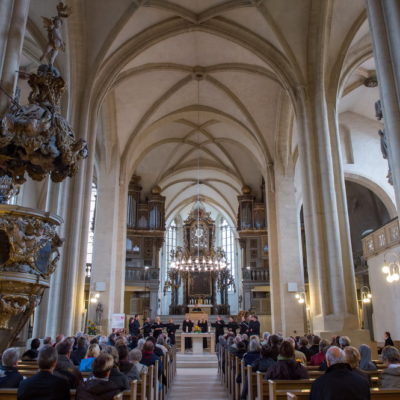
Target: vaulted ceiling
[{"x": 194, "y": 90}]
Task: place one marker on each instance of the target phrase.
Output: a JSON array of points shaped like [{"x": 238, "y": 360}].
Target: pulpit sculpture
[{"x": 35, "y": 139}]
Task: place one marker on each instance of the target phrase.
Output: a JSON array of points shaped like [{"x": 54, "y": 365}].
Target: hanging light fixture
[
  {"x": 366, "y": 295},
  {"x": 391, "y": 267}
]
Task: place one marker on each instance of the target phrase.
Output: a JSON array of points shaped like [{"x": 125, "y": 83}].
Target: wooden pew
[
  {"x": 286, "y": 385},
  {"x": 376, "y": 394},
  {"x": 237, "y": 385},
  {"x": 11, "y": 394}
]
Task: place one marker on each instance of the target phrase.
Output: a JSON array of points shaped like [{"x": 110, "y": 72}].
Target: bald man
[{"x": 339, "y": 381}]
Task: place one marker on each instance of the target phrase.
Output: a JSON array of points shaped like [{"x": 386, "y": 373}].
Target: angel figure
[{"x": 53, "y": 26}]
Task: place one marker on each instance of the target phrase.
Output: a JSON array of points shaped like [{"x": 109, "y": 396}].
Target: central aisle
[{"x": 197, "y": 384}]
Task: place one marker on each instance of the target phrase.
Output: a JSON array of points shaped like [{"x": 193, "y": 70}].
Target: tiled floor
[{"x": 197, "y": 384}]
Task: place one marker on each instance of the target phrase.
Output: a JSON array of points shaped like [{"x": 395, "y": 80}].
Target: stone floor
[{"x": 197, "y": 384}]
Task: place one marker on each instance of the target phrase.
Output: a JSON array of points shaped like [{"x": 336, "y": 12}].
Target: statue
[
  {"x": 53, "y": 26},
  {"x": 99, "y": 314}
]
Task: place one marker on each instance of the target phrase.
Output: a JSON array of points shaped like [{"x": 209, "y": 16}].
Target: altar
[
  {"x": 197, "y": 341},
  {"x": 200, "y": 308}
]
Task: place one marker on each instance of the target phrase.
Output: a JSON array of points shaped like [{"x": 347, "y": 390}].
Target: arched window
[
  {"x": 170, "y": 244},
  {"x": 227, "y": 243},
  {"x": 92, "y": 216}
]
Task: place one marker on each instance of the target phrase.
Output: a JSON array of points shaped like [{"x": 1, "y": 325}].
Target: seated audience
[
  {"x": 265, "y": 361},
  {"x": 161, "y": 344},
  {"x": 274, "y": 342},
  {"x": 339, "y": 382},
  {"x": 365, "y": 362},
  {"x": 79, "y": 353},
  {"x": 353, "y": 359},
  {"x": 315, "y": 348},
  {"x": 149, "y": 358},
  {"x": 266, "y": 336},
  {"x": 9, "y": 375},
  {"x": 286, "y": 367},
  {"x": 344, "y": 341},
  {"x": 99, "y": 386},
  {"x": 86, "y": 363},
  {"x": 33, "y": 352},
  {"x": 253, "y": 354},
  {"x": 135, "y": 356},
  {"x": 116, "y": 375},
  {"x": 44, "y": 385},
  {"x": 65, "y": 368},
  {"x": 241, "y": 350},
  {"x": 157, "y": 351},
  {"x": 388, "y": 339},
  {"x": 390, "y": 377},
  {"x": 141, "y": 343},
  {"x": 125, "y": 365},
  {"x": 304, "y": 348},
  {"x": 319, "y": 358},
  {"x": 298, "y": 355},
  {"x": 47, "y": 341}
]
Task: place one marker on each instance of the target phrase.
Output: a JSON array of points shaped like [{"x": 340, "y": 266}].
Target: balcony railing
[
  {"x": 141, "y": 275},
  {"x": 382, "y": 239},
  {"x": 259, "y": 275}
]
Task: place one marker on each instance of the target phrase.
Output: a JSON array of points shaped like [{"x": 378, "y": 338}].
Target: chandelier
[{"x": 214, "y": 260}]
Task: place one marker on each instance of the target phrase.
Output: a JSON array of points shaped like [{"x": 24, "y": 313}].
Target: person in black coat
[
  {"x": 232, "y": 325},
  {"x": 219, "y": 328},
  {"x": 157, "y": 327},
  {"x": 304, "y": 349},
  {"x": 80, "y": 352},
  {"x": 254, "y": 326},
  {"x": 187, "y": 326},
  {"x": 244, "y": 326},
  {"x": 339, "y": 382},
  {"x": 33, "y": 353},
  {"x": 100, "y": 387},
  {"x": 171, "y": 329},
  {"x": 204, "y": 329},
  {"x": 9, "y": 376},
  {"x": 388, "y": 339},
  {"x": 44, "y": 385},
  {"x": 147, "y": 328},
  {"x": 134, "y": 325}
]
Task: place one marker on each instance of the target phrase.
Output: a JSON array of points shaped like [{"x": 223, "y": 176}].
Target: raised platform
[{"x": 189, "y": 360}]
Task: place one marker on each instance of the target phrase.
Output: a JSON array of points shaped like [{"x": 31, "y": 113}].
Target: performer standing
[
  {"x": 203, "y": 325},
  {"x": 244, "y": 326},
  {"x": 219, "y": 328},
  {"x": 147, "y": 328},
  {"x": 134, "y": 325},
  {"x": 232, "y": 325},
  {"x": 187, "y": 326},
  {"x": 157, "y": 327},
  {"x": 171, "y": 329}
]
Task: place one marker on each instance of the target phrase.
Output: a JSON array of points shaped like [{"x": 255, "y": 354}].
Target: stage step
[{"x": 188, "y": 360}]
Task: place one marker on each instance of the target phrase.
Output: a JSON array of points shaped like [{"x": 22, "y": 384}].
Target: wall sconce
[
  {"x": 391, "y": 268},
  {"x": 366, "y": 295},
  {"x": 95, "y": 298},
  {"x": 300, "y": 297}
]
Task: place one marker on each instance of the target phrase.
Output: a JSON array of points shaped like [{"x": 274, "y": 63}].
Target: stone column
[
  {"x": 13, "y": 17},
  {"x": 384, "y": 21},
  {"x": 285, "y": 266},
  {"x": 105, "y": 267}
]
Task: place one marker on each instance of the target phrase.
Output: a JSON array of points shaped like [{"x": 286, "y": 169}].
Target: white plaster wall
[
  {"x": 385, "y": 299},
  {"x": 368, "y": 164}
]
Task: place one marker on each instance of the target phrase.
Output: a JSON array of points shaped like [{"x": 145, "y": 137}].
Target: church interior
[{"x": 200, "y": 160}]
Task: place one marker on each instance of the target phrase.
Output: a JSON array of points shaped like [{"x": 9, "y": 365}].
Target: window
[
  {"x": 92, "y": 216},
  {"x": 227, "y": 244},
  {"x": 170, "y": 244}
]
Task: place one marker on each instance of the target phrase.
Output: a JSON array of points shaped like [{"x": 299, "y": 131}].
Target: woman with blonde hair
[{"x": 92, "y": 353}]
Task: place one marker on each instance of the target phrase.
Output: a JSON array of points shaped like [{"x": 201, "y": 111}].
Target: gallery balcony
[
  {"x": 136, "y": 275},
  {"x": 256, "y": 275}
]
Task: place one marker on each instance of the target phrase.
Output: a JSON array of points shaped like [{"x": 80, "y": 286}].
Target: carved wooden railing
[
  {"x": 139, "y": 274},
  {"x": 260, "y": 275},
  {"x": 382, "y": 239}
]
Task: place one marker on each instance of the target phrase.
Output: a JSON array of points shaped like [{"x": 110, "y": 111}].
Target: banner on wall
[{"x": 117, "y": 321}]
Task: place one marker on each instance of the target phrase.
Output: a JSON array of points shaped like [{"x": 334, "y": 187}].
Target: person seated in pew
[
  {"x": 265, "y": 361},
  {"x": 240, "y": 350},
  {"x": 304, "y": 348},
  {"x": 65, "y": 368},
  {"x": 86, "y": 363},
  {"x": 298, "y": 355},
  {"x": 135, "y": 356},
  {"x": 125, "y": 366},
  {"x": 81, "y": 348},
  {"x": 366, "y": 363},
  {"x": 315, "y": 348},
  {"x": 99, "y": 386},
  {"x": 33, "y": 353},
  {"x": 286, "y": 367},
  {"x": 9, "y": 375},
  {"x": 390, "y": 378},
  {"x": 157, "y": 351},
  {"x": 44, "y": 385},
  {"x": 339, "y": 381},
  {"x": 116, "y": 375},
  {"x": 353, "y": 359},
  {"x": 160, "y": 344},
  {"x": 253, "y": 354},
  {"x": 150, "y": 358},
  {"x": 319, "y": 358}
]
